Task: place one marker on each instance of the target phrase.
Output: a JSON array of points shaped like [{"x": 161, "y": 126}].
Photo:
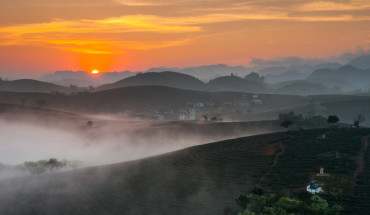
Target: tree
[
  {"x": 332, "y": 119},
  {"x": 279, "y": 205},
  {"x": 358, "y": 120},
  {"x": 254, "y": 77},
  {"x": 259, "y": 191},
  {"x": 89, "y": 123},
  {"x": 205, "y": 117},
  {"x": 35, "y": 167},
  {"x": 286, "y": 123},
  {"x": 53, "y": 163}
]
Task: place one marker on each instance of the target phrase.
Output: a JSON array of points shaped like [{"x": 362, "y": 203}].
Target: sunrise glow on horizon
[
  {"x": 115, "y": 35},
  {"x": 95, "y": 72}
]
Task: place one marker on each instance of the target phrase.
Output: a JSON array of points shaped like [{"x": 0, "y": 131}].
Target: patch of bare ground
[{"x": 270, "y": 150}]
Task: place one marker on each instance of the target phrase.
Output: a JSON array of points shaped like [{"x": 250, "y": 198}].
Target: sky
[{"x": 42, "y": 36}]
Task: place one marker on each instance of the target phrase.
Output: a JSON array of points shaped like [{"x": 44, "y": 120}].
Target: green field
[{"x": 202, "y": 179}]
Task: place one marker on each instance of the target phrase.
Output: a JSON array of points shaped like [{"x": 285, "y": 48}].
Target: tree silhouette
[
  {"x": 89, "y": 123},
  {"x": 332, "y": 119},
  {"x": 358, "y": 119},
  {"x": 53, "y": 163},
  {"x": 286, "y": 123}
]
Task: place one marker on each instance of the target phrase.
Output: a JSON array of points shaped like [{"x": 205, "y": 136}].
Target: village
[{"x": 228, "y": 110}]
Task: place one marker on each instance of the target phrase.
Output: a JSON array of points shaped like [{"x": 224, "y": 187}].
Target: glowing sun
[{"x": 95, "y": 72}]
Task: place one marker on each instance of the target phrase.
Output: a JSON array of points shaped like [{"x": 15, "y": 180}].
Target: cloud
[
  {"x": 109, "y": 35},
  {"x": 139, "y": 3},
  {"x": 335, "y": 6},
  {"x": 66, "y": 35}
]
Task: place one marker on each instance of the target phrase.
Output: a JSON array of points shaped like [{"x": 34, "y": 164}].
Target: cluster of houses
[{"x": 191, "y": 111}]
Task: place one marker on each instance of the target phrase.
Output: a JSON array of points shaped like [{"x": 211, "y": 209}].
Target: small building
[
  {"x": 257, "y": 101},
  {"x": 199, "y": 104},
  {"x": 322, "y": 173},
  {"x": 323, "y": 136},
  {"x": 314, "y": 187},
  {"x": 188, "y": 113},
  {"x": 160, "y": 117}
]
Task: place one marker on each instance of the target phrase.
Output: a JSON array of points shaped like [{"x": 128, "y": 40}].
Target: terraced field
[
  {"x": 199, "y": 180},
  {"x": 202, "y": 179},
  {"x": 305, "y": 152}
]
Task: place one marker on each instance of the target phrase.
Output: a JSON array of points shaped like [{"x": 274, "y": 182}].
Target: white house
[
  {"x": 199, "y": 104},
  {"x": 322, "y": 173},
  {"x": 314, "y": 187},
  {"x": 188, "y": 113}
]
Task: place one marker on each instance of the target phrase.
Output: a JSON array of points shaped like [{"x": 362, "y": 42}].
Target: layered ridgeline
[
  {"x": 204, "y": 179},
  {"x": 169, "y": 79},
  {"x": 322, "y": 81},
  {"x": 147, "y": 101},
  {"x": 29, "y": 85}
]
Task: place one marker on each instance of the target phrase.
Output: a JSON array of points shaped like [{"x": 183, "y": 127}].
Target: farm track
[
  {"x": 361, "y": 157},
  {"x": 275, "y": 162}
]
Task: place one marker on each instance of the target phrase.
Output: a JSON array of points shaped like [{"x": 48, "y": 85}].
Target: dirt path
[
  {"x": 361, "y": 157},
  {"x": 276, "y": 159}
]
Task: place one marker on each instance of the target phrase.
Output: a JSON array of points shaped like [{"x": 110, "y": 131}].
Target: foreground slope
[{"x": 203, "y": 179}]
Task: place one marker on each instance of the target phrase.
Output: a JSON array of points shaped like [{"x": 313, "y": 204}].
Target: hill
[
  {"x": 234, "y": 83},
  {"x": 84, "y": 79},
  {"x": 29, "y": 85},
  {"x": 145, "y": 99},
  {"x": 203, "y": 179},
  {"x": 304, "y": 88},
  {"x": 284, "y": 77},
  {"x": 169, "y": 79},
  {"x": 357, "y": 78},
  {"x": 362, "y": 62}
]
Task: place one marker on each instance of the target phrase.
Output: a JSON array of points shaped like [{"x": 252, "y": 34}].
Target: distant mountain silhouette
[
  {"x": 169, "y": 79},
  {"x": 234, "y": 83},
  {"x": 304, "y": 88},
  {"x": 29, "y": 85},
  {"x": 285, "y": 76},
  {"x": 83, "y": 79},
  {"x": 78, "y": 82},
  {"x": 355, "y": 77},
  {"x": 134, "y": 98},
  {"x": 362, "y": 62}
]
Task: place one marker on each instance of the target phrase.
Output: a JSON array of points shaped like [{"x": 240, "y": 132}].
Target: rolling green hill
[
  {"x": 143, "y": 98},
  {"x": 234, "y": 83},
  {"x": 203, "y": 179},
  {"x": 235, "y": 105},
  {"x": 169, "y": 79},
  {"x": 29, "y": 85}
]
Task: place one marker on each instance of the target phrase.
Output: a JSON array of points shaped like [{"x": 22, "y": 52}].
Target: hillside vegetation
[{"x": 204, "y": 179}]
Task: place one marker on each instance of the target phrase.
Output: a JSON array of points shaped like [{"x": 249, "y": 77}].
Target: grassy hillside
[
  {"x": 203, "y": 179},
  {"x": 231, "y": 105},
  {"x": 29, "y": 85},
  {"x": 169, "y": 79},
  {"x": 234, "y": 83},
  {"x": 143, "y": 98}
]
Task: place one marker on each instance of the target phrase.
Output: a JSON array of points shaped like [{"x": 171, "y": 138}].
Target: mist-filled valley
[
  {"x": 110, "y": 139},
  {"x": 153, "y": 107}
]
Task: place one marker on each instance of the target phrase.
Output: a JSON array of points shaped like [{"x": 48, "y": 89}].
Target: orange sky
[{"x": 41, "y": 36}]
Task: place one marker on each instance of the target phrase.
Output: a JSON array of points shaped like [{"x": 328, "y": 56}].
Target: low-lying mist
[{"x": 107, "y": 141}]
